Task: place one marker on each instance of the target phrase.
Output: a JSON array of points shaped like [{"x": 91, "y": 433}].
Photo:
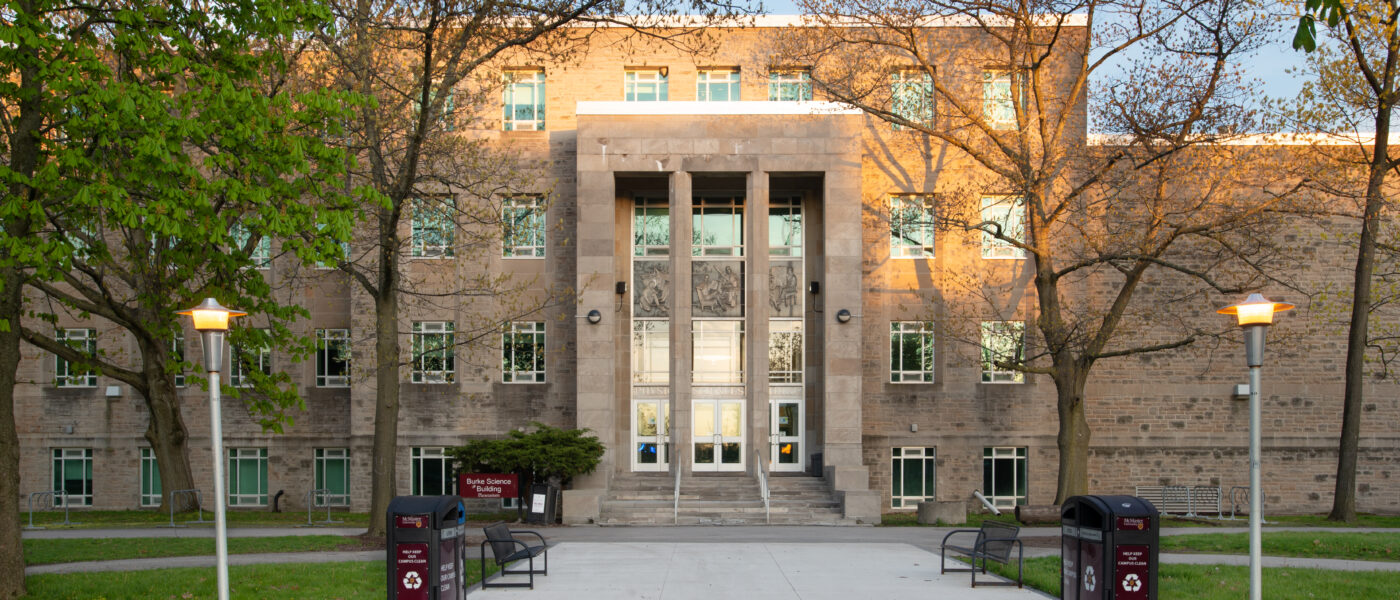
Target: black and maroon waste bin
[
  {"x": 426, "y": 547},
  {"x": 1108, "y": 548}
]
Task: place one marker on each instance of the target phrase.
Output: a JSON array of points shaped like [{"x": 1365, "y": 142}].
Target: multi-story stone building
[{"x": 755, "y": 279}]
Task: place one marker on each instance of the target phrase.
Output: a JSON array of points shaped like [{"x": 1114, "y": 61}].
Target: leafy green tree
[{"x": 547, "y": 453}]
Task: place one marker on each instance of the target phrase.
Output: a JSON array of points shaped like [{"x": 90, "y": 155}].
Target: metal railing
[
  {"x": 55, "y": 495},
  {"x": 762, "y": 471},
  {"x": 198, "y": 506},
  {"x": 676, "y": 508},
  {"x": 311, "y": 496},
  {"x": 1239, "y": 496}
]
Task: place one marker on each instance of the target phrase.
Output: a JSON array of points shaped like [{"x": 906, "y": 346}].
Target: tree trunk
[
  {"x": 1344, "y": 498},
  {"x": 1073, "y": 439},
  {"x": 166, "y": 432},
  {"x": 383, "y": 487},
  {"x": 11, "y": 550}
]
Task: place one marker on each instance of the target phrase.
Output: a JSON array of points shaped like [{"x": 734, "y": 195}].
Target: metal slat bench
[
  {"x": 994, "y": 542},
  {"x": 505, "y": 548},
  {"x": 1180, "y": 499}
]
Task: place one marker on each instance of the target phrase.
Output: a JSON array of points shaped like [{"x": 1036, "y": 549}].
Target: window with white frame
[
  {"x": 431, "y": 472},
  {"x": 717, "y": 85},
  {"x": 333, "y": 476},
  {"x": 717, "y": 227},
  {"x": 1003, "y": 345},
  {"x": 150, "y": 478},
  {"x": 651, "y": 227},
  {"x": 785, "y": 351},
  {"x": 434, "y": 356},
  {"x": 1004, "y": 476},
  {"x": 790, "y": 85},
  {"x": 434, "y": 227},
  {"x": 72, "y": 474},
  {"x": 332, "y": 358},
  {"x": 1007, "y": 215},
  {"x": 522, "y": 353},
  {"x": 247, "y": 476},
  {"x": 717, "y": 353},
  {"x": 911, "y": 227},
  {"x": 785, "y": 227},
  {"x": 651, "y": 351},
  {"x": 524, "y": 100},
  {"x": 522, "y": 222},
  {"x": 913, "y": 476},
  {"x": 998, "y": 109},
  {"x": 68, "y": 373},
  {"x": 644, "y": 85},
  {"x": 246, "y": 359},
  {"x": 261, "y": 252},
  {"x": 177, "y": 357},
  {"x": 911, "y": 352},
  {"x": 911, "y": 96}
]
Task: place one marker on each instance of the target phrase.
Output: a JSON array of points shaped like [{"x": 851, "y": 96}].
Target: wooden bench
[
  {"x": 994, "y": 541},
  {"x": 505, "y": 548}
]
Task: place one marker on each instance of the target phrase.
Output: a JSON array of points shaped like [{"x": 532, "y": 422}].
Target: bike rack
[
  {"x": 55, "y": 494},
  {"x": 198, "y": 504},
  {"x": 311, "y": 495}
]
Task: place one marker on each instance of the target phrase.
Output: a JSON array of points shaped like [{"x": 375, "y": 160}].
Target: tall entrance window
[
  {"x": 913, "y": 476},
  {"x": 651, "y": 333},
  {"x": 718, "y": 308},
  {"x": 72, "y": 473},
  {"x": 786, "y": 335},
  {"x": 1004, "y": 476}
]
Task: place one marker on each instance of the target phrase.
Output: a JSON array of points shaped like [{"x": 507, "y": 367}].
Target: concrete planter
[{"x": 950, "y": 513}]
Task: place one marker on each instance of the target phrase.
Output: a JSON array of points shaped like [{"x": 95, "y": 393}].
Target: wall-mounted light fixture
[
  {"x": 594, "y": 316},
  {"x": 621, "y": 288},
  {"x": 843, "y": 316},
  {"x": 814, "y": 287}
]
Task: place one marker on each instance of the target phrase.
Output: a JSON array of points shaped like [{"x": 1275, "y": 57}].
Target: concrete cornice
[{"x": 693, "y": 108}]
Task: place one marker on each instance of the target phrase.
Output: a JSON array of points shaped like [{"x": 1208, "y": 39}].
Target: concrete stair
[{"x": 722, "y": 499}]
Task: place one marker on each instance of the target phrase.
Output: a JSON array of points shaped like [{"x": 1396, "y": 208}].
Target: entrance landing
[{"x": 772, "y": 571}]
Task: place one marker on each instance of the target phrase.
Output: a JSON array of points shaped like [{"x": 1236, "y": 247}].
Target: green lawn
[
  {"x": 43, "y": 552},
  {"x": 90, "y": 519},
  {"x": 1212, "y": 582},
  {"x": 1353, "y": 546},
  {"x": 910, "y": 519},
  {"x": 352, "y": 580},
  {"x": 974, "y": 520}
]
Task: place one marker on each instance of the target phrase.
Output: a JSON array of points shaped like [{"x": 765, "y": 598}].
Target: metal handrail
[
  {"x": 762, "y": 471},
  {"x": 311, "y": 495},
  {"x": 677, "y": 507},
  {"x": 55, "y": 494},
  {"x": 198, "y": 506}
]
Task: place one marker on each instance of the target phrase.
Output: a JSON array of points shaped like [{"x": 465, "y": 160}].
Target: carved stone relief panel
[
  {"x": 784, "y": 291},
  {"x": 717, "y": 288},
  {"x": 651, "y": 286}
]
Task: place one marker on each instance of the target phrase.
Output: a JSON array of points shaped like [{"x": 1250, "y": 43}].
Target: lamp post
[
  {"x": 211, "y": 321},
  {"x": 1255, "y": 315}
]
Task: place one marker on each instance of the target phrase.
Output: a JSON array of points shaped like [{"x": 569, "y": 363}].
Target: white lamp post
[
  {"x": 211, "y": 321},
  {"x": 1255, "y": 315}
]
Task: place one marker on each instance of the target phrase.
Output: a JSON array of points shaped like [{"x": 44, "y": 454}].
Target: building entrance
[
  {"x": 785, "y": 439},
  {"x": 651, "y": 435},
  {"x": 718, "y": 435}
]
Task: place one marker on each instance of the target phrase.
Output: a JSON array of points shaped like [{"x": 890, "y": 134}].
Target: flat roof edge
[{"x": 696, "y": 108}]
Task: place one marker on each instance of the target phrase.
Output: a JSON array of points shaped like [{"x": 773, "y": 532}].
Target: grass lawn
[
  {"x": 974, "y": 520},
  {"x": 349, "y": 580},
  {"x": 102, "y": 519},
  {"x": 43, "y": 552},
  {"x": 908, "y": 519},
  {"x": 1214, "y": 582},
  {"x": 1353, "y": 546}
]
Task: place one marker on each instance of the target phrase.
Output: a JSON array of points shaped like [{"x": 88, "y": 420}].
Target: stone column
[
  {"x": 756, "y": 320},
  {"x": 681, "y": 348}
]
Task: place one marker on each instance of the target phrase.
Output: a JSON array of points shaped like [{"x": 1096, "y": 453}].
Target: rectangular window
[
  {"x": 911, "y": 227},
  {"x": 790, "y": 85},
  {"x": 1004, "y": 476},
  {"x": 260, "y": 255},
  {"x": 1008, "y": 213},
  {"x": 522, "y": 354},
  {"x": 651, "y": 351},
  {"x": 434, "y": 227},
  {"x": 68, "y": 374},
  {"x": 718, "y": 227},
  {"x": 150, "y": 478},
  {"x": 434, "y": 356},
  {"x": 644, "y": 85},
  {"x": 522, "y": 223},
  {"x": 524, "y": 101},
  {"x": 998, "y": 109},
  {"x": 244, "y": 360},
  {"x": 177, "y": 357},
  {"x": 651, "y": 227},
  {"x": 785, "y": 227},
  {"x": 911, "y": 97},
  {"x": 785, "y": 351},
  {"x": 333, "y": 476},
  {"x": 72, "y": 473},
  {"x": 431, "y": 472},
  {"x": 247, "y": 476},
  {"x": 332, "y": 358},
  {"x": 717, "y": 85},
  {"x": 1003, "y": 345},
  {"x": 717, "y": 351},
  {"x": 911, "y": 352},
  {"x": 913, "y": 476}
]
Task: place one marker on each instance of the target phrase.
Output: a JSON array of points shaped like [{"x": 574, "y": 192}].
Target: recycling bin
[
  {"x": 426, "y": 548},
  {"x": 1108, "y": 548}
]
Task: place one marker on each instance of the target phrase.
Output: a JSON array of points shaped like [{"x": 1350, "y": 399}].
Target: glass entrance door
[
  {"x": 786, "y": 437},
  {"x": 718, "y": 441},
  {"x": 651, "y": 435}
]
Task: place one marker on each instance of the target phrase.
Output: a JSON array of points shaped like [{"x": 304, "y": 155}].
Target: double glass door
[
  {"x": 718, "y": 436},
  {"x": 651, "y": 435}
]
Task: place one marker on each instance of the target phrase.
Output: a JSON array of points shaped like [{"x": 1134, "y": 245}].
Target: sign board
[
  {"x": 1131, "y": 569},
  {"x": 411, "y": 521},
  {"x": 1133, "y": 523},
  {"x": 488, "y": 485},
  {"x": 411, "y": 570}
]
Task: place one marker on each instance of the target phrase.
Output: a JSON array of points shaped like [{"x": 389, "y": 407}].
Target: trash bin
[
  {"x": 542, "y": 504},
  {"x": 426, "y": 547},
  {"x": 1108, "y": 548}
]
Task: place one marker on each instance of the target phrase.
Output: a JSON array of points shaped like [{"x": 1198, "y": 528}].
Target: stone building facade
[{"x": 751, "y": 295}]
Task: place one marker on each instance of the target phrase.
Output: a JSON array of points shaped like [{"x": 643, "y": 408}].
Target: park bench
[
  {"x": 993, "y": 542},
  {"x": 506, "y": 548}
]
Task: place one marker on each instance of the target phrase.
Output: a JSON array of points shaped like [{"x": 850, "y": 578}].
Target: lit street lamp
[
  {"x": 211, "y": 321},
  {"x": 1255, "y": 314}
]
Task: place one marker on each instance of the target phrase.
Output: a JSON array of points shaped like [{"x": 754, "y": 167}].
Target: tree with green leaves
[
  {"x": 1351, "y": 96},
  {"x": 136, "y": 135},
  {"x": 547, "y": 453}
]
